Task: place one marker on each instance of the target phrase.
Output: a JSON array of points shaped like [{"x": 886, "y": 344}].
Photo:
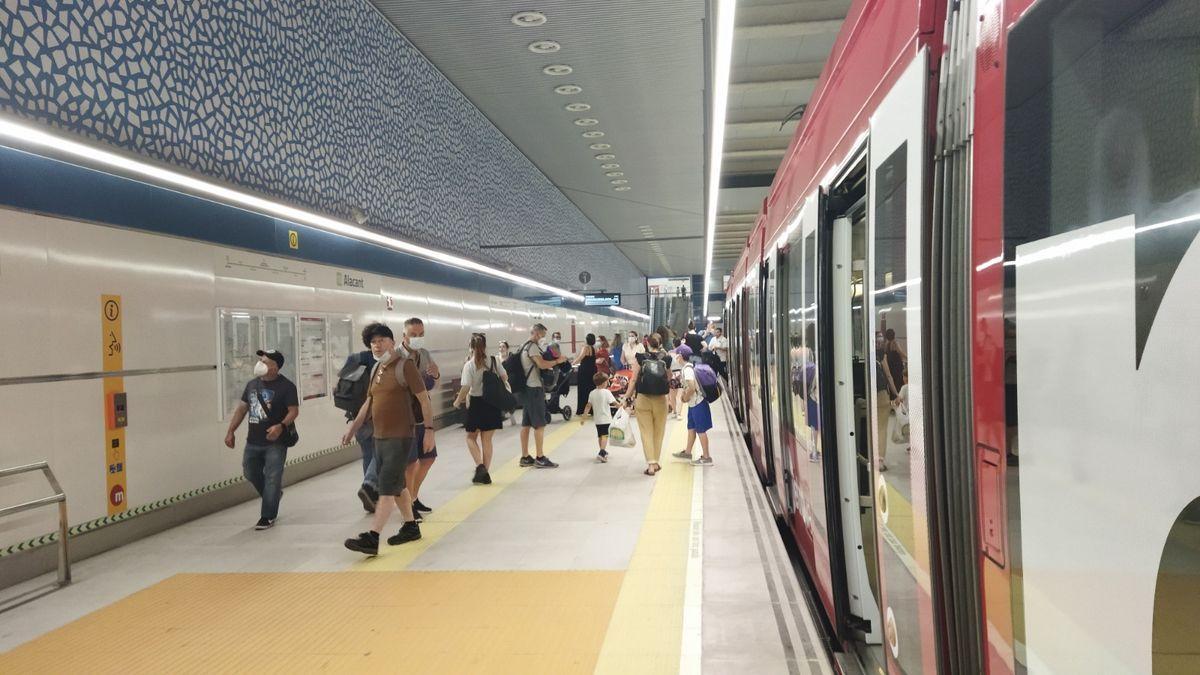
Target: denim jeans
[
  {"x": 262, "y": 465},
  {"x": 366, "y": 442}
]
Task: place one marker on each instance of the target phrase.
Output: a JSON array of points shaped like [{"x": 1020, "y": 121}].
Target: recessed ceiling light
[
  {"x": 606, "y": 157},
  {"x": 623, "y": 188},
  {"x": 586, "y": 122},
  {"x": 592, "y": 134},
  {"x": 568, "y": 89},
  {"x": 577, "y": 107},
  {"x": 615, "y": 174},
  {"x": 544, "y": 46},
  {"x": 526, "y": 19},
  {"x": 619, "y": 181},
  {"x": 558, "y": 69},
  {"x": 610, "y": 166},
  {"x": 600, "y": 146}
]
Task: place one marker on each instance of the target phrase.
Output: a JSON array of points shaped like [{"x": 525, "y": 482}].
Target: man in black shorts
[{"x": 533, "y": 399}]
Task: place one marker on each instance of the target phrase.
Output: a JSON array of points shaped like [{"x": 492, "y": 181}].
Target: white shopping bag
[{"x": 620, "y": 431}]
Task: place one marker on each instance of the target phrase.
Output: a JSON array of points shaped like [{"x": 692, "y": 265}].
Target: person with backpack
[
  {"x": 524, "y": 370},
  {"x": 647, "y": 390},
  {"x": 697, "y": 394},
  {"x": 692, "y": 339},
  {"x": 272, "y": 403},
  {"x": 349, "y": 395},
  {"x": 412, "y": 346},
  {"x": 484, "y": 416},
  {"x": 395, "y": 385}
]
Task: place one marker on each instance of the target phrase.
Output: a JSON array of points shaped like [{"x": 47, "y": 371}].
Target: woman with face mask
[{"x": 631, "y": 350}]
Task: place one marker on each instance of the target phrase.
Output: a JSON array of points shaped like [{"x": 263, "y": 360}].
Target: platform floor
[{"x": 585, "y": 568}]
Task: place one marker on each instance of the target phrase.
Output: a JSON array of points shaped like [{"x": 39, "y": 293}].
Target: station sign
[{"x": 602, "y": 299}]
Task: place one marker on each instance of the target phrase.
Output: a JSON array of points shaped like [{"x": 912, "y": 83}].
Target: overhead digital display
[{"x": 602, "y": 299}]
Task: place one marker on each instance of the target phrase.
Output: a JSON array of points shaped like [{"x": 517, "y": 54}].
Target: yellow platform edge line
[
  {"x": 457, "y": 510},
  {"x": 644, "y": 634}
]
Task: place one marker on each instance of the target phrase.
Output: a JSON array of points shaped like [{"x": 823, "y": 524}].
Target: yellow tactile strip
[
  {"x": 647, "y": 621},
  {"x": 360, "y": 622}
]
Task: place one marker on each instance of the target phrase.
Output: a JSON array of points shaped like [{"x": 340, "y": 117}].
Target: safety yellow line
[
  {"x": 440, "y": 523},
  {"x": 647, "y": 621}
]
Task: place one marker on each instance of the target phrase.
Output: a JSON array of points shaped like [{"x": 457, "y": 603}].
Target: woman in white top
[{"x": 483, "y": 418}]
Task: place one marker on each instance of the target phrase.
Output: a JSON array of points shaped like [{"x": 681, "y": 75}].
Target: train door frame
[
  {"x": 767, "y": 329},
  {"x": 777, "y": 384}
]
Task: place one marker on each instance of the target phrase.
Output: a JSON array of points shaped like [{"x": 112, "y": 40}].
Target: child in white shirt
[{"x": 601, "y": 404}]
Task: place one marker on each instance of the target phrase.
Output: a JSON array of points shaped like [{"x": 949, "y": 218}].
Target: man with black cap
[{"x": 273, "y": 404}]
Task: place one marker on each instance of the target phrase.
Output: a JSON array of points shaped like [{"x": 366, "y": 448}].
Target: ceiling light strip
[
  {"x": 726, "y": 9},
  {"x": 27, "y": 136}
]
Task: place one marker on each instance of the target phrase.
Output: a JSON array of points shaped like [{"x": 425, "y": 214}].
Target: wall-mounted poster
[{"x": 312, "y": 357}]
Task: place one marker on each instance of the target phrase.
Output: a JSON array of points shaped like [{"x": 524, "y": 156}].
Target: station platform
[{"x": 585, "y": 568}]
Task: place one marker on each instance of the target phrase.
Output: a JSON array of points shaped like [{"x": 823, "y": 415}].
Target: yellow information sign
[
  {"x": 293, "y": 239},
  {"x": 112, "y": 350}
]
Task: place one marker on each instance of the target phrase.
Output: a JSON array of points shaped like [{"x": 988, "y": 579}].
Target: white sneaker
[{"x": 702, "y": 461}]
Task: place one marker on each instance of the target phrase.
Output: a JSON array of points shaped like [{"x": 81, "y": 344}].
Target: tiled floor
[{"x": 581, "y": 517}]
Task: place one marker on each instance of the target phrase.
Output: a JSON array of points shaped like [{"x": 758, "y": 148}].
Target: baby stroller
[{"x": 558, "y": 384}]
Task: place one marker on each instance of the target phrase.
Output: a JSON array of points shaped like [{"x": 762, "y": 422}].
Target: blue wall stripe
[{"x": 44, "y": 185}]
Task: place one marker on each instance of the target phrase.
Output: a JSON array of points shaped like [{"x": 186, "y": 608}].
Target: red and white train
[{"x": 966, "y": 340}]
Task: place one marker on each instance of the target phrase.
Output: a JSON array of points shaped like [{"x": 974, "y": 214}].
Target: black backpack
[
  {"x": 653, "y": 377},
  {"x": 353, "y": 382},
  {"x": 517, "y": 375},
  {"x": 494, "y": 391}
]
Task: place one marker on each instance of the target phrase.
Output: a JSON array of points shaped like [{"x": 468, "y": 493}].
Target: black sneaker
[
  {"x": 418, "y": 506},
  {"x": 368, "y": 502},
  {"x": 527, "y": 461},
  {"x": 264, "y": 523},
  {"x": 486, "y": 478},
  {"x": 545, "y": 463},
  {"x": 409, "y": 532},
  {"x": 366, "y": 542},
  {"x": 417, "y": 517},
  {"x": 480, "y": 472}
]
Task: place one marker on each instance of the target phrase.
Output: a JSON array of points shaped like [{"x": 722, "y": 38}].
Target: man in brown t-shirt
[{"x": 395, "y": 382}]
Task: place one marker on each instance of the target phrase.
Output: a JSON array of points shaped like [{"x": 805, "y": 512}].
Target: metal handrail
[{"x": 59, "y": 497}]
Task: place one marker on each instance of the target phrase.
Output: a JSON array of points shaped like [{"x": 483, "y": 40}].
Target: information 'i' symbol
[{"x": 112, "y": 310}]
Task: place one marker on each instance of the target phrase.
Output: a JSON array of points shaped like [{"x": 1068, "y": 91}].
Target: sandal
[{"x": 656, "y": 469}]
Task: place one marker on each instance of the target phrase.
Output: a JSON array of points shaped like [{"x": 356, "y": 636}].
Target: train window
[
  {"x": 280, "y": 334},
  {"x": 1101, "y": 211},
  {"x": 240, "y": 333}
]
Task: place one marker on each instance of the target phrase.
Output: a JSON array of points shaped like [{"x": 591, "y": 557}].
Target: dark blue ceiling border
[{"x": 44, "y": 185}]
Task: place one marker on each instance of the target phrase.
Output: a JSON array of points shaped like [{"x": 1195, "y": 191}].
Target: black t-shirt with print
[{"x": 278, "y": 394}]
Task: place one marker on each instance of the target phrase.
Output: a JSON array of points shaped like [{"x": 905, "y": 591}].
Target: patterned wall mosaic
[{"x": 317, "y": 102}]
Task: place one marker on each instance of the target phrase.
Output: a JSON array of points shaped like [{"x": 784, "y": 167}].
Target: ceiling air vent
[
  {"x": 528, "y": 19},
  {"x": 544, "y": 46}
]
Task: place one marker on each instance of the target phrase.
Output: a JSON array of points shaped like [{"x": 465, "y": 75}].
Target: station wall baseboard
[{"x": 31, "y": 559}]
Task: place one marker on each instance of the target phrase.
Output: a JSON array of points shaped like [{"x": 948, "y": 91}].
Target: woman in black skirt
[
  {"x": 483, "y": 418},
  {"x": 586, "y": 362}
]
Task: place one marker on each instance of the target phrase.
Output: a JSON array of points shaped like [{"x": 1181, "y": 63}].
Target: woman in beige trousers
[{"x": 650, "y": 406}]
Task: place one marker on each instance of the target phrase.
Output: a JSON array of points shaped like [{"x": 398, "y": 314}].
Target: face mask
[
  {"x": 632, "y": 339},
  {"x": 543, "y": 343},
  {"x": 387, "y": 356},
  {"x": 416, "y": 342},
  {"x": 260, "y": 369}
]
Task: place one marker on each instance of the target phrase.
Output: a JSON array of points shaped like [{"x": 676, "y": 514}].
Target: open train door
[{"x": 897, "y": 176}]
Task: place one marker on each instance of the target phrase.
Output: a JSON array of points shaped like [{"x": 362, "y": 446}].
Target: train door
[
  {"x": 852, "y": 355},
  {"x": 755, "y": 369},
  {"x": 776, "y": 464},
  {"x": 785, "y": 436}
]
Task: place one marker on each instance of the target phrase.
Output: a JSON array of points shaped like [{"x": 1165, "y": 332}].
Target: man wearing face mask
[
  {"x": 395, "y": 383},
  {"x": 413, "y": 347},
  {"x": 533, "y": 398},
  {"x": 633, "y": 347},
  {"x": 273, "y": 404}
]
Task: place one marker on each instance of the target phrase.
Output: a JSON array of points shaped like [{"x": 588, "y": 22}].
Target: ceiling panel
[{"x": 640, "y": 67}]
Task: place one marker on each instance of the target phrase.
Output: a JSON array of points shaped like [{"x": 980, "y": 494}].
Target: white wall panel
[{"x": 52, "y": 273}]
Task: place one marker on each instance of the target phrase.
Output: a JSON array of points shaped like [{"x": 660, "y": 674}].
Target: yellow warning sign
[{"x": 112, "y": 351}]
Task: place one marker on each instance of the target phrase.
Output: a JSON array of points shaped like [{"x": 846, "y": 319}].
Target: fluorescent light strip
[
  {"x": 27, "y": 136},
  {"x": 726, "y": 9}
]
